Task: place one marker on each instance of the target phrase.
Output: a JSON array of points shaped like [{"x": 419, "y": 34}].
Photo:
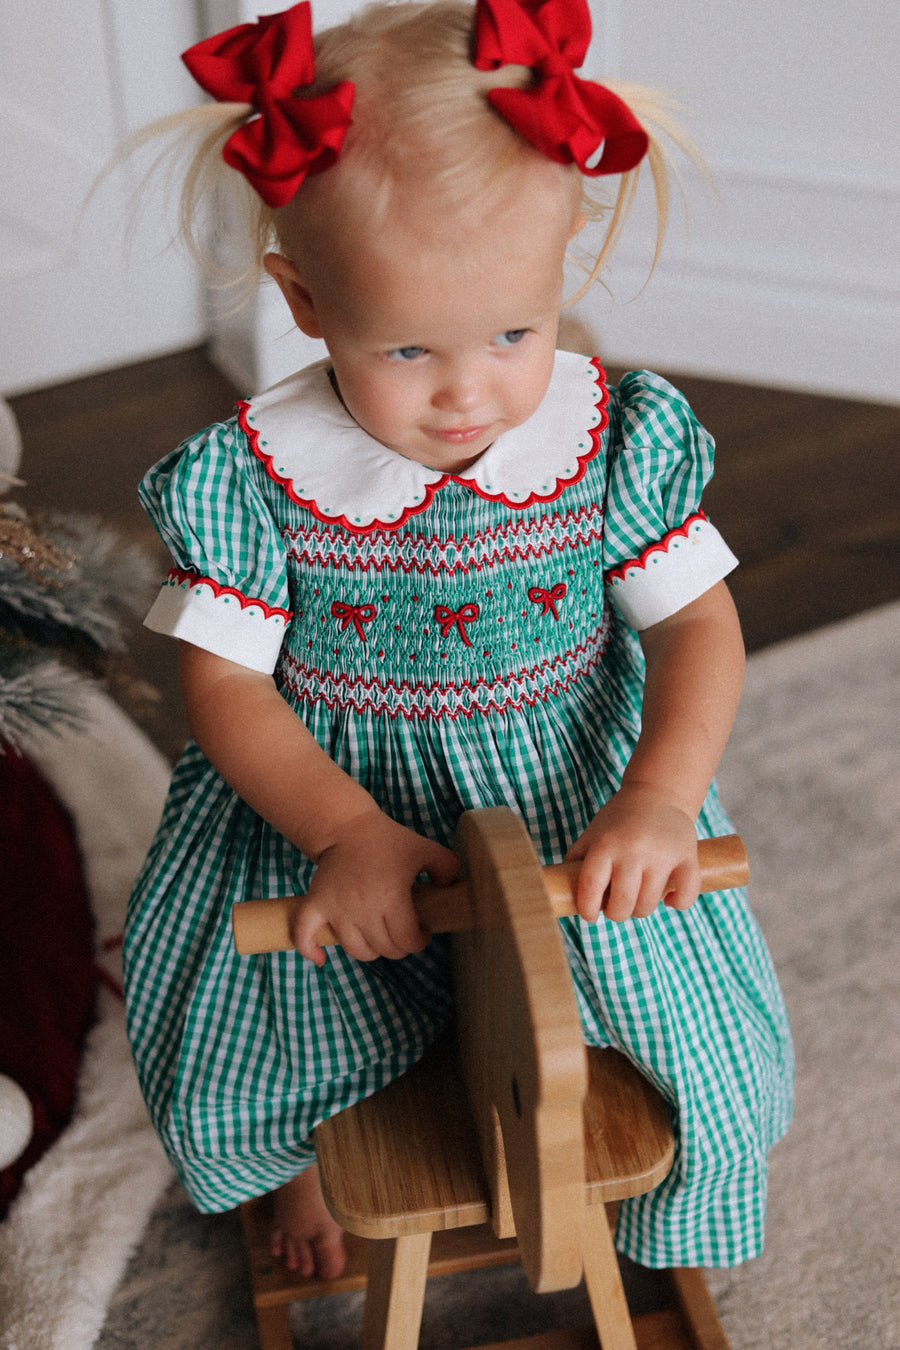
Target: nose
[{"x": 459, "y": 389}]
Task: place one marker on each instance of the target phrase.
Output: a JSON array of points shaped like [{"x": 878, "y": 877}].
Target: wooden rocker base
[
  {"x": 627, "y": 1137},
  {"x": 509, "y": 1120},
  {"x": 691, "y": 1323}
]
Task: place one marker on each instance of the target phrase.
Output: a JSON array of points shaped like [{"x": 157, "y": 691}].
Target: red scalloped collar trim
[
  {"x": 431, "y": 489},
  {"x": 595, "y": 434},
  {"x": 287, "y": 484}
]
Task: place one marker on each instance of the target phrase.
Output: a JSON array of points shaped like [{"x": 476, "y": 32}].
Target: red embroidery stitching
[
  {"x": 355, "y": 614},
  {"x": 682, "y": 531},
  {"x": 595, "y": 433},
  {"x": 194, "y": 578},
  {"x": 460, "y": 617},
  {"x": 528, "y": 686},
  {"x": 512, "y": 540},
  {"x": 548, "y": 599}
]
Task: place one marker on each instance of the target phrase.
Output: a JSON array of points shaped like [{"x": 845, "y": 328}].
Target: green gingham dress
[{"x": 452, "y": 641}]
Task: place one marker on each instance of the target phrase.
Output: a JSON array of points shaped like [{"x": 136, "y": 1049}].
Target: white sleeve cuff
[
  {"x": 670, "y": 574},
  {"x": 220, "y": 620}
]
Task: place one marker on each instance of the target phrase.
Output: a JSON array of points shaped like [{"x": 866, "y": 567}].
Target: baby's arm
[
  {"x": 645, "y": 833},
  {"x": 366, "y": 861}
]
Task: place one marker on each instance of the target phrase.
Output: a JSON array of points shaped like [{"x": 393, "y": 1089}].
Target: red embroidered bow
[
  {"x": 567, "y": 118},
  {"x": 268, "y": 64},
  {"x": 448, "y": 617},
  {"x": 538, "y": 596},
  {"x": 355, "y": 614}
]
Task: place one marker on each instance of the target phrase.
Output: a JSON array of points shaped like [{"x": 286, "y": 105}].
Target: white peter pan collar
[{"x": 324, "y": 460}]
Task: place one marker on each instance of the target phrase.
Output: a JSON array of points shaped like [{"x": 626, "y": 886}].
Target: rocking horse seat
[{"x": 428, "y": 1176}]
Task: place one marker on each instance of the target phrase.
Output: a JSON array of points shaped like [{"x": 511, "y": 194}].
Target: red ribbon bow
[
  {"x": 448, "y": 617},
  {"x": 268, "y": 64},
  {"x": 355, "y": 614},
  {"x": 569, "y": 119},
  {"x": 548, "y": 599}
]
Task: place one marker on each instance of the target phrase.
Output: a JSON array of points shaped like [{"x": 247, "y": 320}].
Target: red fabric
[
  {"x": 268, "y": 64},
  {"x": 565, "y": 117},
  {"x": 47, "y": 978}
]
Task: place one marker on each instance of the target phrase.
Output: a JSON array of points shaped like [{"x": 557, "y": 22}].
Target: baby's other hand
[
  {"x": 362, "y": 887},
  {"x": 630, "y": 850}
]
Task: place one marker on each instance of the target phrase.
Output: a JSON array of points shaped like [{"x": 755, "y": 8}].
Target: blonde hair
[{"x": 421, "y": 119}]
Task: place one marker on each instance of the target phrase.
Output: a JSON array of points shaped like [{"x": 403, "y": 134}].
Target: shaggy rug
[
  {"x": 812, "y": 778},
  {"x": 68, "y": 1236}
]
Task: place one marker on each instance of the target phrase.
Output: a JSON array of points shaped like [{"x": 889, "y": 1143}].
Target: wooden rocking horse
[{"x": 510, "y": 1140}]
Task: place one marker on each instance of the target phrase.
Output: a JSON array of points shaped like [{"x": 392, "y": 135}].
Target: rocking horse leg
[
  {"x": 698, "y": 1309},
  {"x": 604, "y": 1283},
  {"x": 398, "y": 1269},
  {"x": 273, "y": 1328}
]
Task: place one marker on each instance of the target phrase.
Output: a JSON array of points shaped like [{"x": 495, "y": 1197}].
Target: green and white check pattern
[{"x": 388, "y": 660}]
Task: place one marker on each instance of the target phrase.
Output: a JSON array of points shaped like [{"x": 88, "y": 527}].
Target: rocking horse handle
[{"x": 265, "y": 925}]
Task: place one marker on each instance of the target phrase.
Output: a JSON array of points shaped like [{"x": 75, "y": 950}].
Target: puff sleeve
[
  {"x": 660, "y": 551},
  {"x": 227, "y": 591}
]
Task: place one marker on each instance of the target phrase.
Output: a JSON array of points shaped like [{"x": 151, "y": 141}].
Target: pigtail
[
  {"x": 217, "y": 214},
  {"x": 659, "y": 116},
  {"x": 218, "y": 206}
]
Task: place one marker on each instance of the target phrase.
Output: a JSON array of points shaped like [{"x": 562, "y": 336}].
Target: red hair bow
[
  {"x": 268, "y": 64},
  {"x": 567, "y": 118}
]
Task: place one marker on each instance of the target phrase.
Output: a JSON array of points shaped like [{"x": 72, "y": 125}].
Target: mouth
[{"x": 458, "y": 435}]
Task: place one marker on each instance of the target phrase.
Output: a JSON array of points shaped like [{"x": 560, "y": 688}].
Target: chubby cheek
[
  {"x": 525, "y": 397},
  {"x": 379, "y": 405}
]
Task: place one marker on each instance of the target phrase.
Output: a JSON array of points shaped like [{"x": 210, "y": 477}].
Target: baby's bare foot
[{"x": 304, "y": 1234}]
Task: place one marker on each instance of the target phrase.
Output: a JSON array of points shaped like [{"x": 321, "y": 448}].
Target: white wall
[
  {"x": 74, "y": 80},
  {"x": 789, "y": 277}
]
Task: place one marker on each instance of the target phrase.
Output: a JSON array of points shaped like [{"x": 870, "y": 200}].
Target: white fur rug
[
  {"x": 812, "y": 777},
  {"x": 69, "y": 1234}
]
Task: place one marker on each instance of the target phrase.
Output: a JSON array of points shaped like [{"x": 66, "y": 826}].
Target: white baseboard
[{"x": 786, "y": 279}]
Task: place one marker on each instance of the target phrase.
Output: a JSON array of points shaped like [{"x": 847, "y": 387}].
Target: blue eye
[
  {"x": 510, "y": 337},
  {"x": 405, "y": 353}
]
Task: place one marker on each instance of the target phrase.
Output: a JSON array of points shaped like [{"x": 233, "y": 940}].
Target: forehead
[{"x": 433, "y": 255}]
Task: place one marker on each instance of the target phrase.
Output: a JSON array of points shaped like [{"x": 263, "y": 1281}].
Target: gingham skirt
[{"x": 240, "y": 1057}]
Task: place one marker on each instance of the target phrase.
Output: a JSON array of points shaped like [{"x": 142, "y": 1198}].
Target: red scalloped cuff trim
[
  {"x": 682, "y": 531},
  {"x": 431, "y": 489},
  {"x": 194, "y": 578}
]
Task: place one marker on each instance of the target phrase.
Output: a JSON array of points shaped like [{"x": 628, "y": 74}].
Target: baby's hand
[
  {"x": 362, "y": 887},
  {"x": 631, "y": 848}
]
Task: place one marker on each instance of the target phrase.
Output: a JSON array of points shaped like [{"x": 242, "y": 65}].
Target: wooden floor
[{"x": 807, "y": 490}]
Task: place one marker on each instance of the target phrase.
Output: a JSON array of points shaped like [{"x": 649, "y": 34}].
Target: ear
[
  {"x": 298, "y": 297},
  {"x": 578, "y": 224}
]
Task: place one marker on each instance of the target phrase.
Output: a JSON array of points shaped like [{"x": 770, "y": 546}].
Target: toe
[{"x": 330, "y": 1256}]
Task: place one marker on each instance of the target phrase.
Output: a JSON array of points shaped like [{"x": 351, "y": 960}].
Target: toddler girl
[{"x": 445, "y": 567}]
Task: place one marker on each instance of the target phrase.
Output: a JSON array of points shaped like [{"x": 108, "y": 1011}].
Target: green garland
[{"x": 66, "y": 586}]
